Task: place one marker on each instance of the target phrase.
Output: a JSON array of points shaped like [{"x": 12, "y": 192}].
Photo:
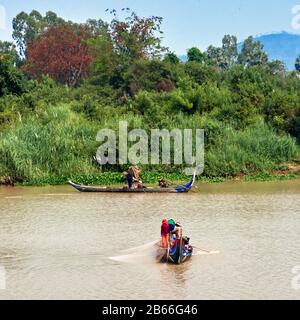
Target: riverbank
[
  {"x": 150, "y": 178},
  {"x": 59, "y": 144}
]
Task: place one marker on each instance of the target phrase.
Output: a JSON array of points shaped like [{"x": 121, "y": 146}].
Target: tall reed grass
[{"x": 58, "y": 144}]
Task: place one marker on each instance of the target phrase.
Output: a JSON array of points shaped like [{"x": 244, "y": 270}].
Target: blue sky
[{"x": 186, "y": 23}]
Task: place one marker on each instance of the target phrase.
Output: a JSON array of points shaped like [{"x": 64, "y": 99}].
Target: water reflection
[{"x": 174, "y": 274}]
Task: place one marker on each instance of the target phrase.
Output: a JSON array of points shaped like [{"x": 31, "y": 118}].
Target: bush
[
  {"x": 200, "y": 73},
  {"x": 153, "y": 75},
  {"x": 256, "y": 149},
  {"x": 281, "y": 110},
  {"x": 12, "y": 80}
]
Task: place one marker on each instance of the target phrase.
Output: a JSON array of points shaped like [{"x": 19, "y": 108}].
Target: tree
[
  {"x": 297, "y": 64},
  {"x": 276, "y": 67},
  {"x": 252, "y": 53},
  {"x": 11, "y": 79},
  {"x": 229, "y": 51},
  {"x": 224, "y": 57},
  {"x": 172, "y": 58},
  {"x": 136, "y": 37},
  {"x": 61, "y": 53},
  {"x": 105, "y": 67},
  {"x": 194, "y": 54},
  {"x": 97, "y": 27},
  {"x": 27, "y": 27},
  {"x": 9, "y": 49},
  {"x": 119, "y": 45},
  {"x": 215, "y": 56}
]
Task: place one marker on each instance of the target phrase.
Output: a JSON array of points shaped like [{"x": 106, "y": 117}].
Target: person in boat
[
  {"x": 186, "y": 244},
  {"x": 177, "y": 231},
  {"x": 171, "y": 223},
  {"x": 165, "y": 234},
  {"x": 132, "y": 177},
  {"x": 128, "y": 179},
  {"x": 178, "y": 235},
  {"x": 162, "y": 183}
]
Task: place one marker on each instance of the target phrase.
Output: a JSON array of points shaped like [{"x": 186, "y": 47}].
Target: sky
[{"x": 187, "y": 23}]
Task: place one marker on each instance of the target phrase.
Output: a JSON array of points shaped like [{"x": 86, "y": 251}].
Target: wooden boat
[
  {"x": 178, "y": 254},
  {"x": 179, "y": 189}
]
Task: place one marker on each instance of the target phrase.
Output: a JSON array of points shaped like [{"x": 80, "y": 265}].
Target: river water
[{"x": 56, "y": 243}]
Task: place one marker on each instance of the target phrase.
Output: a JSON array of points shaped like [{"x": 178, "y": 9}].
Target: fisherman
[
  {"x": 177, "y": 231},
  {"x": 132, "y": 177},
  {"x": 171, "y": 223},
  {"x": 128, "y": 179},
  {"x": 165, "y": 234},
  {"x": 186, "y": 244}
]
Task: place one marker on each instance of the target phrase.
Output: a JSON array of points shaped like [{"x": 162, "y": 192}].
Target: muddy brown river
[{"x": 56, "y": 243}]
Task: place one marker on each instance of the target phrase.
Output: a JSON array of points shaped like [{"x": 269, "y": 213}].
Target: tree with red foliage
[{"x": 60, "y": 52}]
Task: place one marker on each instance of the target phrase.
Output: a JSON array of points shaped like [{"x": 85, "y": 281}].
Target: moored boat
[{"x": 179, "y": 189}]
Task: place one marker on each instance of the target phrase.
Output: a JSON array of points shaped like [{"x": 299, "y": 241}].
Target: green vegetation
[{"x": 50, "y": 112}]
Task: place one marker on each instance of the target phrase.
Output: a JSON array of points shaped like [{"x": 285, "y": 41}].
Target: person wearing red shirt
[{"x": 165, "y": 234}]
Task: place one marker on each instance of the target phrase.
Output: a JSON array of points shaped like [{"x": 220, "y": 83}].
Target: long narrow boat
[{"x": 179, "y": 189}]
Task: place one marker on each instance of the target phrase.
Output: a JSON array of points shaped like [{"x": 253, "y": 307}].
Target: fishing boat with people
[
  {"x": 178, "y": 189},
  {"x": 173, "y": 248},
  {"x": 135, "y": 185},
  {"x": 178, "y": 254}
]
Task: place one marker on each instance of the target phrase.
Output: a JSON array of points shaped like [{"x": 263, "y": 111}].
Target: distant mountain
[
  {"x": 282, "y": 46},
  {"x": 183, "y": 57},
  {"x": 279, "y": 46}
]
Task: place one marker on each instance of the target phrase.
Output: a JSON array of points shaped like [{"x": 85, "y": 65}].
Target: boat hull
[
  {"x": 83, "y": 188},
  {"x": 176, "y": 255}
]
